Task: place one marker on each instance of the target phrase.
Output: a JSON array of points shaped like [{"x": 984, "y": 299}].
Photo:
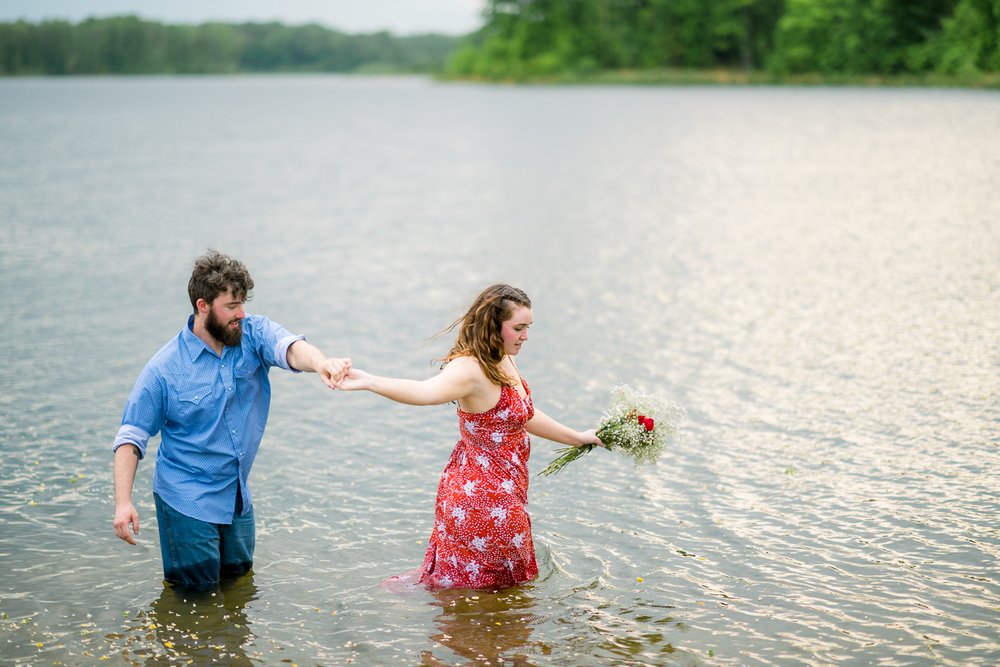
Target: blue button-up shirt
[{"x": 210, "y": 412}]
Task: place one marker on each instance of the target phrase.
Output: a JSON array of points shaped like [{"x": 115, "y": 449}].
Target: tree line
[
  {"x": 131, "y": 45},
  {"x": 538, "y": 38},
  {"x": 531, "y": 39}
]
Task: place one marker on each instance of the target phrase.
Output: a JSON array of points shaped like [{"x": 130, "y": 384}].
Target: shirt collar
[{"x": 194, "y": 345}]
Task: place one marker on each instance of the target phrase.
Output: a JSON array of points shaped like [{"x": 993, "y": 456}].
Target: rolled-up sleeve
[
  {"x": 274, "y": 341},
  {"x": 144, "y": 413},
  {"x": 131, "y": 435},
  {"x": 281, "y": 351}
]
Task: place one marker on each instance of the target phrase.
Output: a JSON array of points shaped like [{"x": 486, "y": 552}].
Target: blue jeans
[{"x": 198, "y": 554}]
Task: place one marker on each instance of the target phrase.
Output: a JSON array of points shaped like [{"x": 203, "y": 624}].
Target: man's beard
[{"x": 222, "y": 332}]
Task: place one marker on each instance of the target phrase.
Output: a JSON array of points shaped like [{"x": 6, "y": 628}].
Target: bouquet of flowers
[{"x": 639, "y": 426}]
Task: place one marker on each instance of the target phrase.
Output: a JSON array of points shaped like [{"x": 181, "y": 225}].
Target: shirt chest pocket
[
  {"x": 247, "y": 370},
  {"x": 191, "y": 405}
]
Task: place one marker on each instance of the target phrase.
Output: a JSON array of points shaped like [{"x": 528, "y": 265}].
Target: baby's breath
[{"x": 637, "y": 425}]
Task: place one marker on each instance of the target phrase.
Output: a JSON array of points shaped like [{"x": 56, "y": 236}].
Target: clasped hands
[
  {"x": 333, "y": 370},
  {"x": 338, "y": 373}
]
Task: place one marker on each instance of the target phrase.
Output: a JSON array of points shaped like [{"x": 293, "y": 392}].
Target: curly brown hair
[
  {"x": 215, "y": 273},
  {"x": 479, "y": 329}
]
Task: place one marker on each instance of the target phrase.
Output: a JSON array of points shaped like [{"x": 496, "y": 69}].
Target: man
[{"x": 207, "y": 393}]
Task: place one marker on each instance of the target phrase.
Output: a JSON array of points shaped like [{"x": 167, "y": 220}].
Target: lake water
[{"x": 813, "y": 273}]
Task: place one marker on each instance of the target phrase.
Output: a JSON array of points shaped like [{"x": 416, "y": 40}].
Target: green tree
[
  {"x": 130, "y": 45},
  {"x": 970, "y": 39}
]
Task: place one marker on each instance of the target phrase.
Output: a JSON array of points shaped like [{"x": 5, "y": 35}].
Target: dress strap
[{"x": 520, "y": 378}]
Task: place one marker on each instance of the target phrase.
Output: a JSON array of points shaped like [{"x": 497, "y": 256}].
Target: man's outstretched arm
[{"x": 303, "y": 356}]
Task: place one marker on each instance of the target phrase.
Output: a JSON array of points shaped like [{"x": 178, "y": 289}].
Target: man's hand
[
  {"x": 333, "y": 371},
  {"x": 126, "y": 516}
]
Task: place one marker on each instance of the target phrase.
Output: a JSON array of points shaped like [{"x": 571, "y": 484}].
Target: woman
[{"x": 482, "y": 531}]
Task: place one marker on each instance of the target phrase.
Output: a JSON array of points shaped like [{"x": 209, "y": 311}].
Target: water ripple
[{"x": 813, "y": 277}]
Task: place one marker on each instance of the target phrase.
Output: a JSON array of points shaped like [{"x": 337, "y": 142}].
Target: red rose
[
  {"x": 648, "y": 423},
  {"x": 641, "y": 419}
]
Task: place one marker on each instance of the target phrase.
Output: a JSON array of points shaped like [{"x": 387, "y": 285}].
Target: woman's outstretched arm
[{"x": 460, "y": 379}]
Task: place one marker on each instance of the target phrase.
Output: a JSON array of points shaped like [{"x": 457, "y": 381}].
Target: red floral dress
[{"x": 482, "y": 531}]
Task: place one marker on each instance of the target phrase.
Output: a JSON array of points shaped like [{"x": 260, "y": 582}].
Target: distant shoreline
[
  {"x": 650, "y": 78},
  {"x": 728, "y": 77}
]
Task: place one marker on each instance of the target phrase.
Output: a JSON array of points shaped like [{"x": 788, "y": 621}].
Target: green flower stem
[
  {"x": 606, "y": 433},
  {"x": 567, "y": 455}
]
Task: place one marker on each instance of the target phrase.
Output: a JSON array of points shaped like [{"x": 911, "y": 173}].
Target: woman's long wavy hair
[{"x": 479, "y": 329}]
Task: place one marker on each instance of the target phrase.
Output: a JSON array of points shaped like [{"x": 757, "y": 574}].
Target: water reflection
[
  {"x": 196, "y": 627},
  {"x": 484, "y": 627}
]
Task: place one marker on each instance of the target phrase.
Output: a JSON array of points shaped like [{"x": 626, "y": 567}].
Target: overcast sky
[{"x": 398, "y": 16}]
